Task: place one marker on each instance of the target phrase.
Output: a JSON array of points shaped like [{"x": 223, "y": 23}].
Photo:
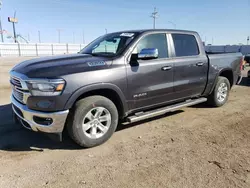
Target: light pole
[
  {"x": 39, "y": 37},
  {"x": 172, "y": 24},
  {"x": 14, "y": 28},
  {"x": 59, "y": 35},
  {"x": 1, "y": 29},
  {"x": 83, "y": 40}
]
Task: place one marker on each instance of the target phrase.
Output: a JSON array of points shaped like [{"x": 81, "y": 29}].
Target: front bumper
[{"x": 26, "y": 117}]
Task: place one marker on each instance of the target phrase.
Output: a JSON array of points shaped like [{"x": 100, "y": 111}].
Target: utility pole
[
  {"x": 39, "y": 37},
  {"x": 59, "y": 35},
  {"x": 1, "y": 29},
  {"x": 154, "y": 16},
  {"x": 247, "y": 40}
]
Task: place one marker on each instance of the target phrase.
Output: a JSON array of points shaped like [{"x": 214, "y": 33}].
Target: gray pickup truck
[{"x": 122, "y": 76}]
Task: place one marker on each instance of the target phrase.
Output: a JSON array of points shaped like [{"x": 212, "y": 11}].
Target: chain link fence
[{"x": 38, "y": 49}]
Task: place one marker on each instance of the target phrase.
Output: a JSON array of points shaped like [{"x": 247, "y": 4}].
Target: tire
[
  {"x": 83, "y": 117},
  {"x": 214, "y": 98}
]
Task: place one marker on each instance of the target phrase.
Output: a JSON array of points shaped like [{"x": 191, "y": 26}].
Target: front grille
[
  {"x": 15, "y": 82},
  {"x": 18, "y": 95},
  {"x": 19, "y": 89}
]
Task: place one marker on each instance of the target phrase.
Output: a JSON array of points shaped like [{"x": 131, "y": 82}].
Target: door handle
[
  {"x": 166, "y": 68},
  {"x": 199, "y": 64}
]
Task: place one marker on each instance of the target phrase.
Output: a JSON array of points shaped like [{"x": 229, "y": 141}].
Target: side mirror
[{"x": 148, "y": 53}]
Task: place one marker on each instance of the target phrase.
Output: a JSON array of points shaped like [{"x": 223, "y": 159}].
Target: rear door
[
  {"x": 190, "y": 66},
  {"x": 150, "y": 82}
]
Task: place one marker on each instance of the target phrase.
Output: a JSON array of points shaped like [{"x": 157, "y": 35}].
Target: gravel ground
[{"x": 194, "y": 147}]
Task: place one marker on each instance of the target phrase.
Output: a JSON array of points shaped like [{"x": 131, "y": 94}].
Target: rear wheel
[
  {"x": 92, "y": 121},
  {"x": 220, "y": 94}
]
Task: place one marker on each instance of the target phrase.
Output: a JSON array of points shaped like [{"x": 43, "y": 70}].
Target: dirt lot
[{"x": 196, "y": 147}]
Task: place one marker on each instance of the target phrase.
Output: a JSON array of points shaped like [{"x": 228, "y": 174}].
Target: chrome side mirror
[{"x": 148, "y": 53}]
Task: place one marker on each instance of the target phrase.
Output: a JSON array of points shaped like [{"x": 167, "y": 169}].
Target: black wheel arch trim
[
  {"x": 98, "y": 86},
  {"x": 217, "y": 75}
]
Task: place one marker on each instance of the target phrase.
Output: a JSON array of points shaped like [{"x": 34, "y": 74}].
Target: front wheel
[
  {"x": 220, "y": 94},
  {"x": 92, "y": 121}
]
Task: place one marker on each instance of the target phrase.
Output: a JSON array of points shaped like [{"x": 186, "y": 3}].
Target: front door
[{"x": 150, "y": 82}]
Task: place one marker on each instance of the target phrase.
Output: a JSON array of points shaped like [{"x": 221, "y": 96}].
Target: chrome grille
[
  {"x": 15, "y": 82},
  {"x": 18, "y": 95},
  {"x": 19, "y": 89}
]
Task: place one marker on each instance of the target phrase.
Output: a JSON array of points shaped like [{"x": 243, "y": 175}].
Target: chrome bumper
[{"x": 26, "y": 115}]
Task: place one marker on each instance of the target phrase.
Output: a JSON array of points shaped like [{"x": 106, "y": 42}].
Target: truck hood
[{"x": 55, "y": 66}]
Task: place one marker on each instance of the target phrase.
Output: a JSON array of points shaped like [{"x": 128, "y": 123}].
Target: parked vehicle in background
[
  {"x": 127, "y": 76},
  {"x": 247, "y": 58}
]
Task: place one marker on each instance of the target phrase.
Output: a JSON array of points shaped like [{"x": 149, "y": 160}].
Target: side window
[
  {"x": 158, "y": 41},
  {"x": 185, "y": 45}
]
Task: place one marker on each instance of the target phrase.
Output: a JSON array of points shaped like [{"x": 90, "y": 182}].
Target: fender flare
[
  {"x": 93, "y": 87},
  {"x": 217, "y": 75}
]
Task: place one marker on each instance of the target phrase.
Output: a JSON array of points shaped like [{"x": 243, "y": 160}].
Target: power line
[
  {"x": 154, "y": 16},
  {"x": 172, "y": 24}
]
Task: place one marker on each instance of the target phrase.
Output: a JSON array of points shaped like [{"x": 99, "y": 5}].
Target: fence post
[
  {"x": 52, "y": 49},
  {"x": 36, "y": 50},
  {"x": 19, "y": 49},
  {"x": 67, "y": 47}
]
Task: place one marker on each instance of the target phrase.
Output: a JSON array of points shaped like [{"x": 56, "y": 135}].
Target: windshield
[{"x": 109, "y": 45}]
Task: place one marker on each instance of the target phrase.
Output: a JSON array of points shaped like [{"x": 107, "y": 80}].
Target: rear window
[{"x": 185, "y": 45}]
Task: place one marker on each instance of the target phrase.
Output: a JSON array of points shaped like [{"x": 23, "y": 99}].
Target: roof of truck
[{"x": 157, "y": 30}]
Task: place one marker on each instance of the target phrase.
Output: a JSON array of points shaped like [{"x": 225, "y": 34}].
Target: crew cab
[{"x": 121, "y": 76}]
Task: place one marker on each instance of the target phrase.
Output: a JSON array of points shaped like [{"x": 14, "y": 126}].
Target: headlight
[{"x": 46, "y": 87}]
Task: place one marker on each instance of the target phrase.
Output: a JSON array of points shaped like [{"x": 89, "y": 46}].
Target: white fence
[{"x": 38, "y": 49}]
